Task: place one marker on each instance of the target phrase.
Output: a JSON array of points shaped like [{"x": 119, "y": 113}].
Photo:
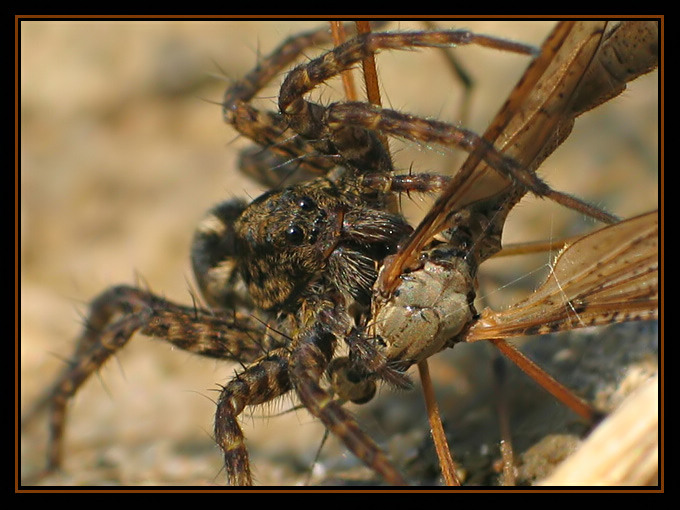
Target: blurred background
[{"x": 123, "y": 149}]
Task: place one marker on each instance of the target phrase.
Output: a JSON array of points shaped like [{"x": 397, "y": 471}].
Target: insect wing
[
  {"x": 607, "y": 276},
  {"x": 526, "y": 129}
]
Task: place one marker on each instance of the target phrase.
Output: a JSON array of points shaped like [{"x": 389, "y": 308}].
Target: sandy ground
[{"x": 123, "y": 149}]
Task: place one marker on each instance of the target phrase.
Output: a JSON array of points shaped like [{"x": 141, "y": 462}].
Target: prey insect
[
  {"x": 422, "y": 300},
  {"x": 536, "y": 118},
  {"x": 300, "y": 260}
]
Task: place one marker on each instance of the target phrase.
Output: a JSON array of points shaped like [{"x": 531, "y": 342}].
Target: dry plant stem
[
  {"x": 438, "y": 436},
  {"x": 553, "y": 387},
  {"x": 623, "y": 450}
]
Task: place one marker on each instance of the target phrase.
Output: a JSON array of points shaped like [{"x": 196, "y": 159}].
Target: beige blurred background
[{"x": 123, "y": 149}]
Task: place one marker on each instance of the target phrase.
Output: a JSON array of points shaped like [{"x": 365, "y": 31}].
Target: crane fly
[
  {"x": 605, "y": 277},
  {"x": 535, "y": 119}
]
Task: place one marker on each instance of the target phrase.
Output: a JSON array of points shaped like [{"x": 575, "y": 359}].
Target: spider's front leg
[
  {"x": 267, "y": 129},
  {"x": 309, "y": 360},
  {"x": 359, "y": 143},
  {"x": 350, "y": 128},
  {"x": 264, "y": 380}
]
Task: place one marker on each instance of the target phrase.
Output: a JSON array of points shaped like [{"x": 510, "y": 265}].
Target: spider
[{"x": 305, "y": 257}]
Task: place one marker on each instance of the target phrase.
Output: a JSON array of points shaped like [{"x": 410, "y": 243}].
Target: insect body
[{"x": 432, "y": 304}]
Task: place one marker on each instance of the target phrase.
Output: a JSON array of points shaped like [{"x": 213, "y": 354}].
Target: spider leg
[
  {"x": 367, "y": 360},
  {"x": 308, "y": 362},
  {"x": 308, "y": 118},
  {"x": 363, "y": 115},
  {"x": 246, "y": 88},
  {"x": 115, "y": 316},
  {"x": 270, "y": 130},
  {"x": 264, "y": 380},
  {"x": 86, "y": 362},
  {"x": 350, "y": 128},
  {"x": 214, "y": 257},
  {"x": 274, "y": 171},
  {"x": 418, "y": 183},
  {"x": 307, "y": 76}
]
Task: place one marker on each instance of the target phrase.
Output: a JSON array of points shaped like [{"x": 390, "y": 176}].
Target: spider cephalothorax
[{"x": 311, "y": 235}]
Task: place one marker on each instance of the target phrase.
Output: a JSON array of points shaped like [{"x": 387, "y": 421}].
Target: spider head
[
  {"x": 283, "y": 239},
  {"x": 292, "y": 240}
]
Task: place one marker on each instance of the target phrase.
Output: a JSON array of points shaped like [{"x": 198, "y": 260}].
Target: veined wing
[
  {"x": 527, "y": 129},
  {"x": 607, "y": 276}
]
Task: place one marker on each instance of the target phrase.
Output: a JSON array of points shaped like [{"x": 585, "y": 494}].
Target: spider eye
[
  {"x": 295, "y": 235},
  {"x": 306, "y": 204}
]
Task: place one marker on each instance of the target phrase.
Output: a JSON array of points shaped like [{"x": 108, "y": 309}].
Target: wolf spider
[{"x": 289, "y": 276}]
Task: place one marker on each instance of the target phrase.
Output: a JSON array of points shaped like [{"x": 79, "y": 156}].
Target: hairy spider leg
[
  {"x": 269, "y": 129},
  {"x": 264, "y": 380},
  {"x": 336, "y": 125},
  {"x": 115, "y": 315},
  {"x": 308, "y": 362}
]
